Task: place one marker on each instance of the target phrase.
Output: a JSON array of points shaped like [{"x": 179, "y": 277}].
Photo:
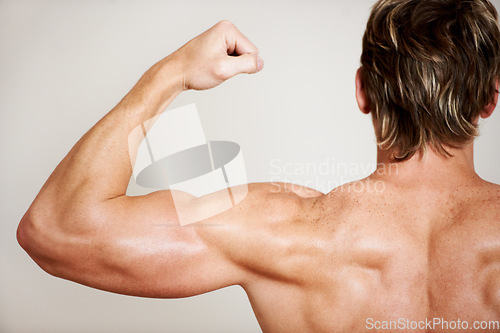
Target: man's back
[{"x": 361, "y": 257}]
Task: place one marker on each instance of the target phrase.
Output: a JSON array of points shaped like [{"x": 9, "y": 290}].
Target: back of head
[{"x": 429, "y": 68}]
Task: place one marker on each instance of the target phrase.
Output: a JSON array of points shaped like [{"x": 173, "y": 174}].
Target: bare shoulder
[
  {"x": 298, "y": 190},
  {"x": 278, "y": 202},
  {"x": 264, "y": 232},
  {"x": 280, "y": 195}
]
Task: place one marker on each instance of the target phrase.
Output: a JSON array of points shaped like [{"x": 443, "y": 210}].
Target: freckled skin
[{"x": 424, "y": 244}]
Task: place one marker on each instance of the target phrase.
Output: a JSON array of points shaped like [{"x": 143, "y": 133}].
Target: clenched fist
[{"x": 215, "y": 56}]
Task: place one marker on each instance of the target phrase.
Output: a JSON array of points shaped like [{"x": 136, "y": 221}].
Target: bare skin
[{"x": 424, "y": 243}]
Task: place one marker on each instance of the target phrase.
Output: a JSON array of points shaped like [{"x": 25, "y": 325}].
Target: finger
[
  {"x": 236, "y": 42},
  {"x": 243, "y": 45},
  {"x": 247, "y": 63}
]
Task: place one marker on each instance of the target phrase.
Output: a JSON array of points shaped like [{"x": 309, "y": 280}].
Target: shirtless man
[{"x": 424, "y": 247}]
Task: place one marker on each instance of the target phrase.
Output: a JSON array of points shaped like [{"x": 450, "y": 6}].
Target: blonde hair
[{"x": 429, "y": 68}]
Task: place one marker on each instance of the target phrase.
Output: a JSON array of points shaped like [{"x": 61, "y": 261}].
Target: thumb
[{"x": 246, "y": 63}]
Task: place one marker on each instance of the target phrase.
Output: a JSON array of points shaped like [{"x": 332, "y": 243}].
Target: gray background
[{"x": 64, "y": 64}]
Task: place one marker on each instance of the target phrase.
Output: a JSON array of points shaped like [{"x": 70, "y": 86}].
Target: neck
[{"x": 430, "y": 166}]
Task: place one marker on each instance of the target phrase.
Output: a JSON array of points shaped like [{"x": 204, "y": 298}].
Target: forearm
[{"x": 99, "y": 167}]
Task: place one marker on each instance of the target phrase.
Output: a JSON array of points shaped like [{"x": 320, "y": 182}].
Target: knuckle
[
  {"x": 220, "y": 71},
  {"x": 255, "y": 63},
  {"x": 225, "y": 24}
]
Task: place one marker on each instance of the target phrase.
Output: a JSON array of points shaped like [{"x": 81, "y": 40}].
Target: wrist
[
  {"x": 159, "y": 85},
  {"x": 170, "y": 74}
]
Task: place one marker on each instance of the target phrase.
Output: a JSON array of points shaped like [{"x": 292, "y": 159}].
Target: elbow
[
  {"x": 26, "y": 232},
  {"x": 22, "y": 234},
  {"x": 35, "y": 236},
  {"x": 56, "y": 240}
]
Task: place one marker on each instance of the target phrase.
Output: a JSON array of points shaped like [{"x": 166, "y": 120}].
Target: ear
[
  {"x": 488, "y": 109},
  {"x": 363, "y": 103}
]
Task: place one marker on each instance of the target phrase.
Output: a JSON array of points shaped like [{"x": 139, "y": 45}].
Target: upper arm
[{"x": 136, "y": 246}]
